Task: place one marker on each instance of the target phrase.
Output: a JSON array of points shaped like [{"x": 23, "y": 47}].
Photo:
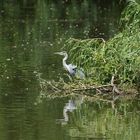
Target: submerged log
[{"x": 78, "y": 87}]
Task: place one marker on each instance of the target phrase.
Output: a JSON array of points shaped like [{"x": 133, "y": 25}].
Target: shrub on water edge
[{"x": 119, "y": 56}]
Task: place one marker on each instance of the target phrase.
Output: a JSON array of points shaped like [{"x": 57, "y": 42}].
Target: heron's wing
[
  {"x": 80, "y": 73},
  {"x": 71, "y": 66}
]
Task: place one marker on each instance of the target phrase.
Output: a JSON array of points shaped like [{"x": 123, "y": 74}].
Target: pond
[{"x": 30, "y": 33}]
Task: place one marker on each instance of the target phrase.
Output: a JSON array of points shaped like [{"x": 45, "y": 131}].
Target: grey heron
[{"x": 72, "y": 69}]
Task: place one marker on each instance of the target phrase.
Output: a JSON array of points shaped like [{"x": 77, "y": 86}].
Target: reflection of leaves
[{"x": 97, "y": 120}]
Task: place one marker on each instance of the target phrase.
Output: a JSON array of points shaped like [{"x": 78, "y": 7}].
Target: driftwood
[
  {"x": 78, "y": 87},
  {"x": 107, "y": 93},
  {"x": 102, "y": 88}
]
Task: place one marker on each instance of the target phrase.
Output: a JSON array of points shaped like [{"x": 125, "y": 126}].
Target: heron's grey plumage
[{"x": 72, "y": 69}]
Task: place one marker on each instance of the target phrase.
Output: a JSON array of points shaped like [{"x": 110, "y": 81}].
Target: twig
[
  {"x": 115, "y": 89},
  {"x": 49, "y": 83}
]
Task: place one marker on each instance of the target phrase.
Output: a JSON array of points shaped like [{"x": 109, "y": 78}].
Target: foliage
[
  {"x": 119, "y": 56},
  {"x": 131, "y": 15}
]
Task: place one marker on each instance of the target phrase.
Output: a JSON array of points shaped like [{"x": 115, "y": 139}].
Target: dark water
[{"x": 30, "y": 33}]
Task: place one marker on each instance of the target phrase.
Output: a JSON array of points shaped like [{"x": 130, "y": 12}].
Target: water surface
[{"x": 30, "y": 33}]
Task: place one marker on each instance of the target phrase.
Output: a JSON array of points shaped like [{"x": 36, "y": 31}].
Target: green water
[{"x": 30, "y": 33}]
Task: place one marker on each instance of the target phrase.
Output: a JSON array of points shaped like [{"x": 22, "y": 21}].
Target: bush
[{"x": 119, "y": 56}]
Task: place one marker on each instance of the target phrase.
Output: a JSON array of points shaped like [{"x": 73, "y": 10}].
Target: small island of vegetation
[{"x": 111, "y": 66}]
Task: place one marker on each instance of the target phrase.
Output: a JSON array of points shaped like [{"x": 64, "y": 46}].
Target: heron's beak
[{"x": 58, "y": 53}]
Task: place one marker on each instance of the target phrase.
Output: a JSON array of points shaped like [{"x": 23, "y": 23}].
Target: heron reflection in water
[
  {"x": 70, "y": 106},
  {"x": 72, "y": 69}
]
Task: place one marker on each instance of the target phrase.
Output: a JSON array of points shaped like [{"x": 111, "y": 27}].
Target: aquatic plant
[{"x": 119, "y": 56}]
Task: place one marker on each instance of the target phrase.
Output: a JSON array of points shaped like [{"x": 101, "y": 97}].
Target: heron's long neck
[{"x": 64, "y": 60}]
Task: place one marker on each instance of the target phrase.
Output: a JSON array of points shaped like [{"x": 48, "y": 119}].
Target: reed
[{"x": 119, "y": 56}]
